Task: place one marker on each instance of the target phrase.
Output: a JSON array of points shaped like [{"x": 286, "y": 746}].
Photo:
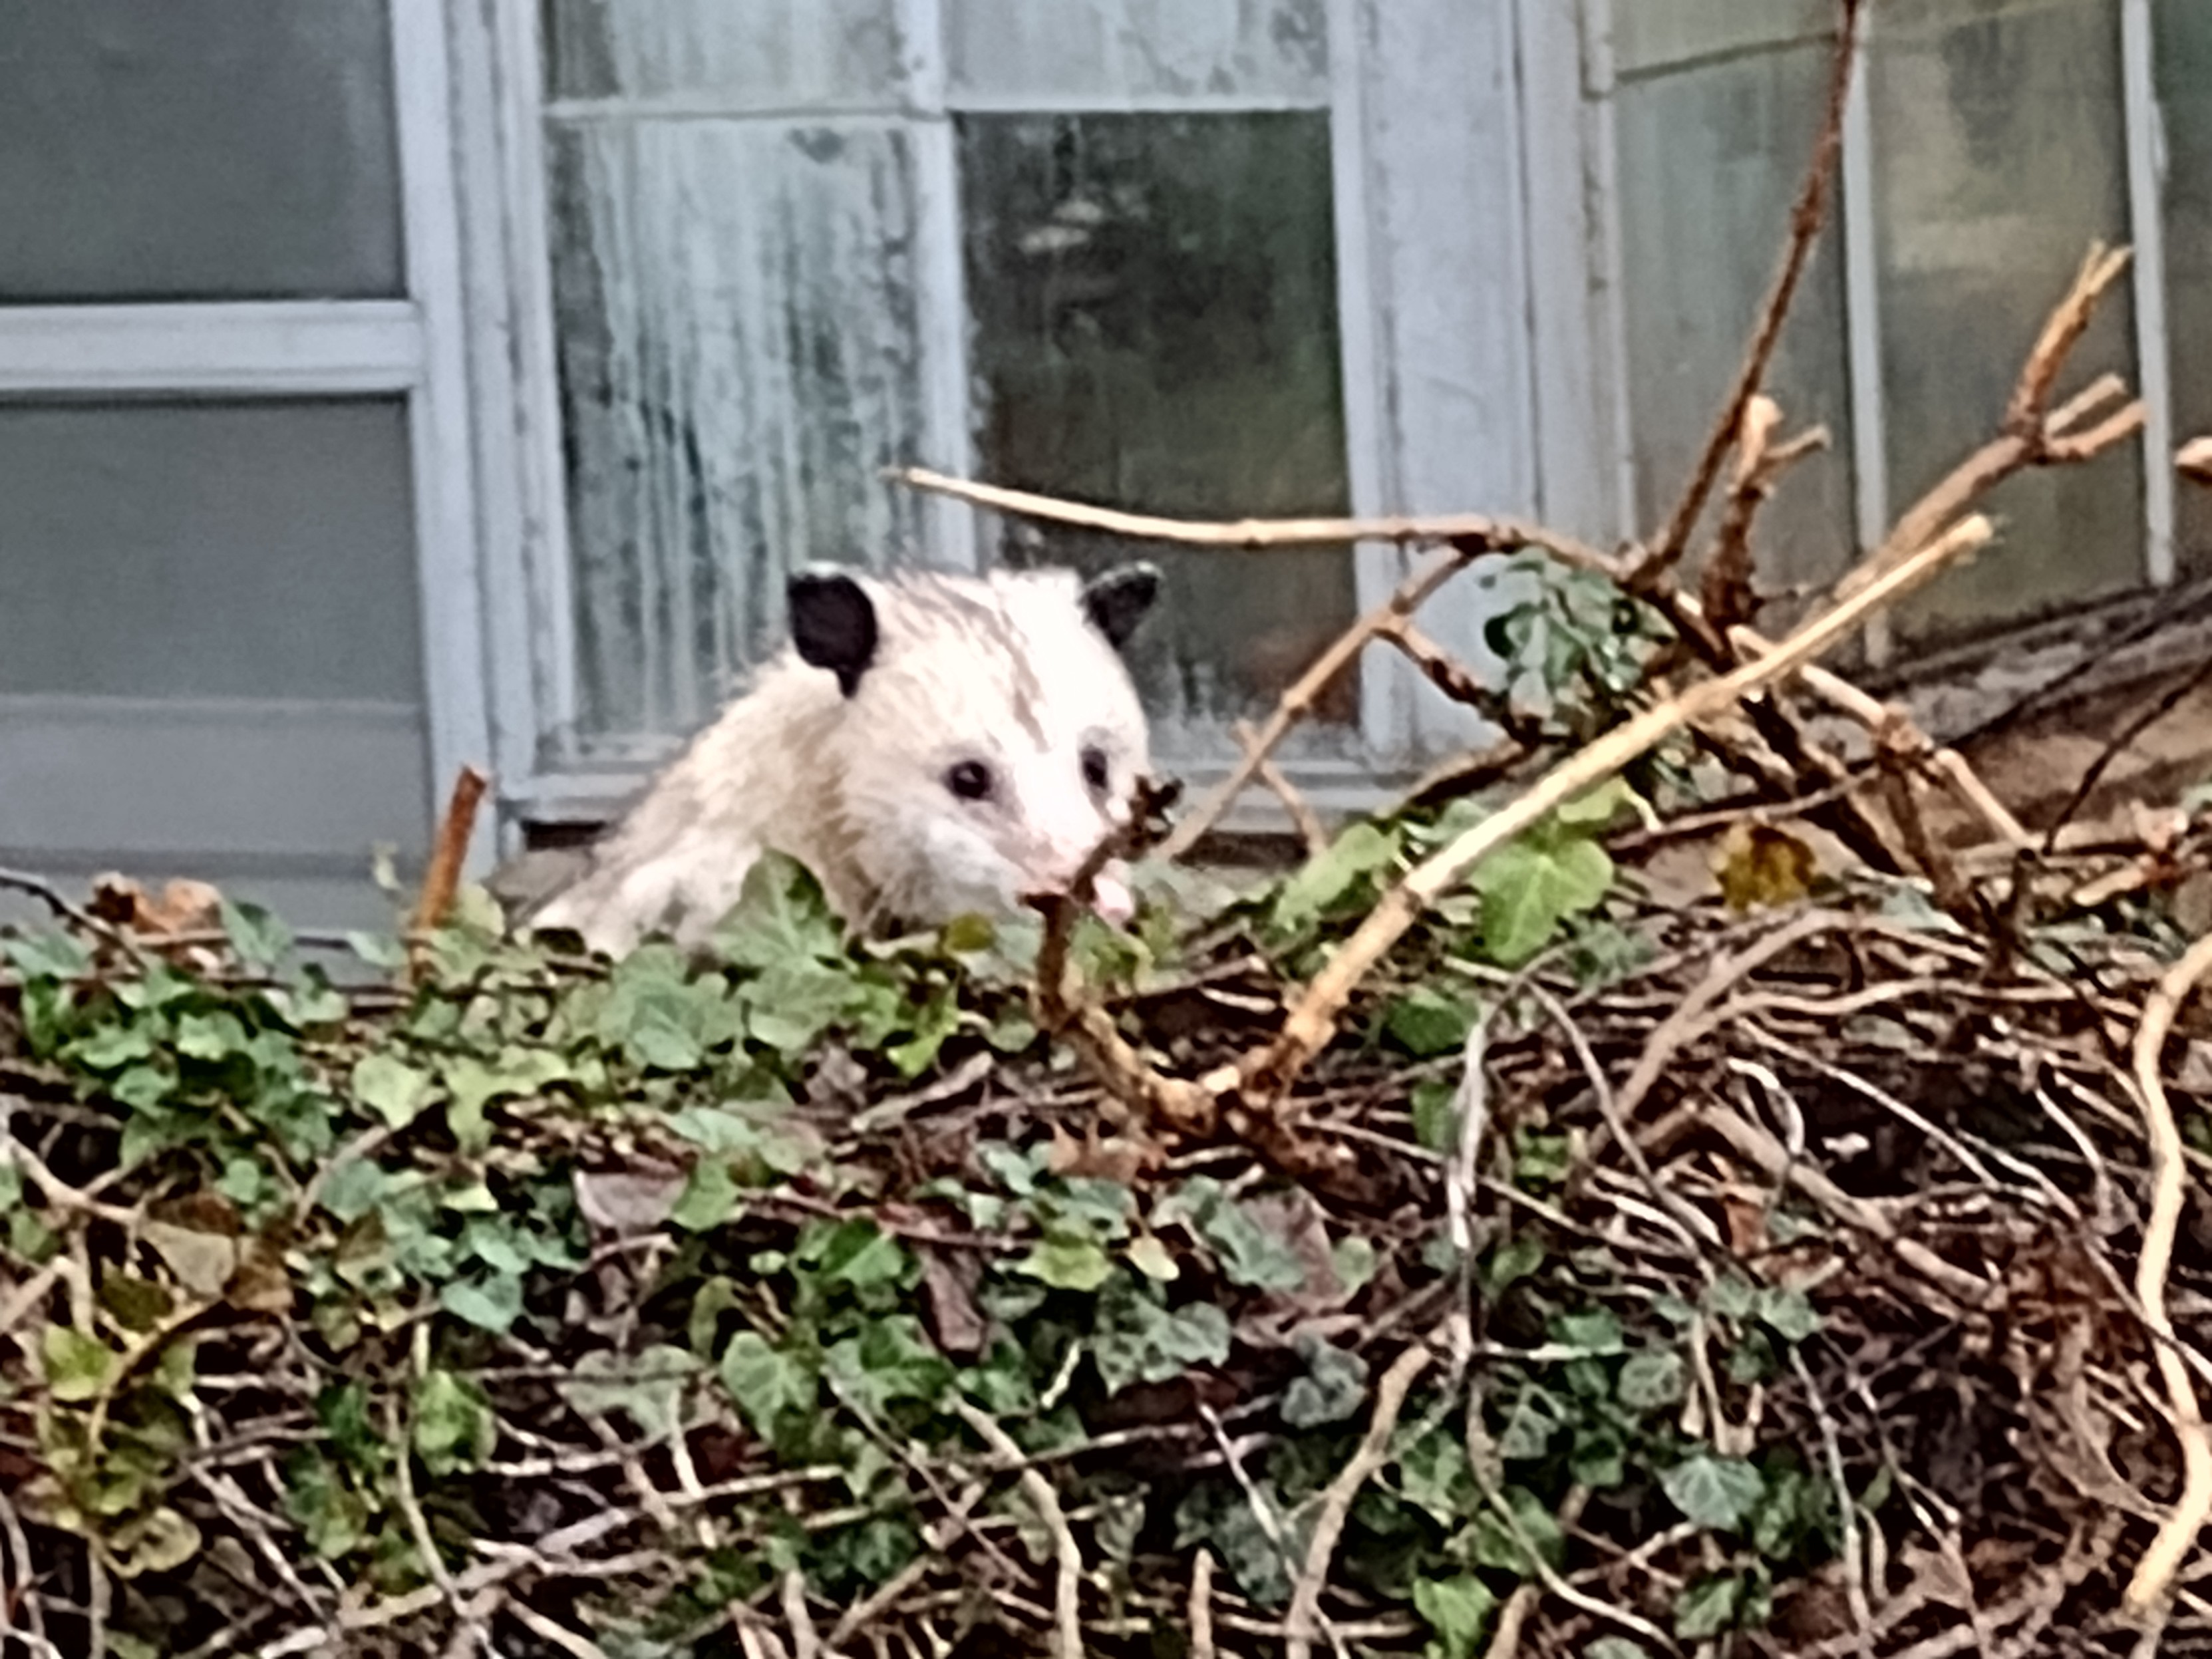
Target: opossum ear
[
  {"x": 833, "y": 624},
  {"x": 1117, "y": 601}
]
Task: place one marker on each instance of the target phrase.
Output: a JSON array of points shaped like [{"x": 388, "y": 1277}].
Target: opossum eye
[
  {"x": 969, "y": 779},
  {"x": 1094, "y": 768}
]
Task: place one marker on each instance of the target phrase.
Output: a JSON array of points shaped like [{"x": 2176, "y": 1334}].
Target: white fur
[{"x": 1006, "y": 671}]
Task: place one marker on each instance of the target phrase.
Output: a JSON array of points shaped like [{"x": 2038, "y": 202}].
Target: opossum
[{"x": 929, "y": 745}]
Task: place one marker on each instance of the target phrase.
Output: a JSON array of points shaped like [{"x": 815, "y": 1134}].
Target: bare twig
[
  {"x": 1805, "y": 222},
  {"x": 1299, "y": 701},
  {"x": 443, "y": 877},
  {"x": 1301, "y": 1622},
  {"x": 2029, "y": 438},
  {"x": 1266, "y": 1077},
  {"x": 1201, "y": 1604},
  {"x": 1068, "y": 1590},
  {"x": 2153, "y": 1575},
  {"x": 1479, "y": 531},
  {"x": 1725, "y": 588},
  {"x": 1311, "y": 833}
]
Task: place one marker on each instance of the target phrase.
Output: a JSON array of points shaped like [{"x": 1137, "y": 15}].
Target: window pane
[
  {"x": 2184, "y": 91},
  {"x": 1649, "y": 34},
  {"x": 210, "y": 662},
  {"x": 2000, "y": 156},
  {"x": 197, "y": 149},
  {"x": 716, "y": 55},
  {"x": 738, "y": 341},
  {"x": 1711, "y": 161},
  {"x": 231, "y": 549},
  {"x": 1153, "y": 324},
  {"x": 1109, "y": 50}
]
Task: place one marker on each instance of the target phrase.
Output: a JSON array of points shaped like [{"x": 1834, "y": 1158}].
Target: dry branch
[
  {"x": 2153, "y": 1575},
  {"x": 2031, "y": 436},
  {"x": 1310, "y": 1024},
  {"x": 443, "y": 877},
  {"x": 1488, "y": 534}
]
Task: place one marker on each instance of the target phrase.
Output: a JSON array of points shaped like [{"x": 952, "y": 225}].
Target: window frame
[
  {"x": 1389, "y": 285},
  {"x": 413, "y": 347}
]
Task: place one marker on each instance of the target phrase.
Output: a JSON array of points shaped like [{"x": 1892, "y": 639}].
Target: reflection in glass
[
  {"x": 197, "y": 149},
  {"x": 2000, "y": 155},
  {"x": 1711, "y": 159},
  {"x": 1153, "y": 325}
]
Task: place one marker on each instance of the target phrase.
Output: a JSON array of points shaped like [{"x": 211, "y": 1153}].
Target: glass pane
[
  {"x": 2000, "y": 156},
  {"x": 217, "y": 150},
  {"x": 2184, "y": 91},
  {"x": 1649, "y": 34},
  {"x": 715, "y": 55},
  {"x": 236, "y": 550},
  {"x": 1711, "y": 160},
  {"x": 738, "y": 364},
  {"x": 1153, "y": 317},
  {"x": 1106, "y": 51},
  {"x": 210, "y": 660}
]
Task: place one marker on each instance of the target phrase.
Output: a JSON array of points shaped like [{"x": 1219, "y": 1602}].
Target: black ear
[
  {"x": 1117, "y": 600},
  {"x": 833, "y": 623}
]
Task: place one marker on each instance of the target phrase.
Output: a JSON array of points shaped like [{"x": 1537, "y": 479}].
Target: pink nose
[{"x": 1109, "y": 896}]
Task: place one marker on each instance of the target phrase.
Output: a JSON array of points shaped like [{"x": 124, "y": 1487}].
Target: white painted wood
[
  {"x": 2147, "y": 216},
  {"x": 1363, "y": 301},
  {"x": 1443, "y": 172},
  {"x": 1599, "y": 87},
  {"x": 547, "y": 570},
  {"x": 1574, "y": 376},
  {"x": 953, "y": 531},
  {"x": 438, "y": 409},
  {"x": 274, "y": 348},
  {"x": 1854, "y": 209},
  {"x": 506, "y": 508}
]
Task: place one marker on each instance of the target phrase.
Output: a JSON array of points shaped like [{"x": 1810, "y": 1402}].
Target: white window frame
[
  {"x": 1419, "y": 435},
  {"x": 412, "y": 348}
]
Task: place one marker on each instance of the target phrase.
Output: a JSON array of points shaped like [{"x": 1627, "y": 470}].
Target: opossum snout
[{"x": 1109, "y": 893}]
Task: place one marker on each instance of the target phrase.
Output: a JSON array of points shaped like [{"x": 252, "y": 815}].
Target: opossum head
[{"x": 988, "y": 734}]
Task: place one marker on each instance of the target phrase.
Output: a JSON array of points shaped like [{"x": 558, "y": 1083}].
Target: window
[
  {"x": 232, "y": 456},
  {"x": 1990, "y": 143},
  {"x": 1104, "y": 249}
]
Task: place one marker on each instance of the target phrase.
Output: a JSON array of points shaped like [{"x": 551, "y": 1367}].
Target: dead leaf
[
  {"x": 202, "y": 1261},
  {"x": 1117, "y": 1157},
  {"x": 636, "y": 1200},
  {"x": 2194, "y": 460},
  {"x": 1761, "y": 866},
  {"x": 950, "y": 1279}
]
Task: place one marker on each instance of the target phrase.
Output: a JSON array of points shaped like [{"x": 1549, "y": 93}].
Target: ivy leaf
[
  {"x": 649, "y": 1388},
  {"x": 1426, "y": 1023},
  {"x": 46, "y": 955},
  {"x": 163, "y": 1541},
  {"x": 1458, "y": 1610},
  {"x": 454, "y": 1428},
  {"x": 1789, "y": 1313},
  {"x": 1715, "y": 1492},
  {"x": 856, "y": 1253},
  {"x": 1250, "y": 1255},
  {"x": 77, "y": 1364},
  {"x": 1436, "y": 1119},
  {"x": 1648, "y": 1382},
  {"x": 1332, "y": 1389},
  {"x": 710, "y": 1199},
  {"x": 1138, "y": 1341},
  {"x": 1708, "y": 1607},
  {"x": 782, "y": 918},
  {"x": 390, "y": 1087},
  {"x": 492, "y": 1303},
  {"x": 260, "y": 938},
  {"x": 1493, "y": 1544},
  {"x": 764, "y": 1383},
  {"x": 1333, "y": 875},
  {"x": 112, "y": 1045},
  {"x": 1068, "y": 1264},
  {"x": 892, "y": 1360},
  {"x": 1527, "y": 890}
]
